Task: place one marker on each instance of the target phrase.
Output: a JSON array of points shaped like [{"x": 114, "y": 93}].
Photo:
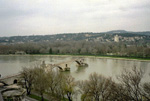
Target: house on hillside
[{"x": 20, "y": 53}]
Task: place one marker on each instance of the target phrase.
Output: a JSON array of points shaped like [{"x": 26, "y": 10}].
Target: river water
[{"x": 106, "y": 66}]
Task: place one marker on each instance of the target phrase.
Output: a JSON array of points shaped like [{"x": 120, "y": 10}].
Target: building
[
  {"x": 20, "y": 53},
  {"x": 116, "y": 38}
]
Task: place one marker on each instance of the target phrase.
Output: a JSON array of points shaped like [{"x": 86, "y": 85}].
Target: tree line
[
  {"x": 61, "y": 86},
  {"x": 80, "y": 48}
]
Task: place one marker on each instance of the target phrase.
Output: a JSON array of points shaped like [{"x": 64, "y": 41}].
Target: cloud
[{"x": 27, "y": 17}]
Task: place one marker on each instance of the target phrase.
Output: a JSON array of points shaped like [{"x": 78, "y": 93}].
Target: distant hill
[
  {"x": 125, "y": 36},
  {"x": 131, "y": 32},
  {"x": 143, "y": 33},
  {"x": 118, "y": 31}
]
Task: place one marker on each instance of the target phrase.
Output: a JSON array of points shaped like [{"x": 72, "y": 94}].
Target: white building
[{"x": 116, "y": 38}]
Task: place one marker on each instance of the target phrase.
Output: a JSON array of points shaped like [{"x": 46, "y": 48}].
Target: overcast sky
[{"x": 38, "y": 17}]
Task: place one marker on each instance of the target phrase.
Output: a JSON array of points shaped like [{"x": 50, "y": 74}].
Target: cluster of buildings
[
  {"x": 121, "y": 38},
  {"x": 113, "y": 38}
]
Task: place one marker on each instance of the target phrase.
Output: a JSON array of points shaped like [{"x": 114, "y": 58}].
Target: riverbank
[
  {"x": 96, "y": 56},
  {"x": 99, "y": 56}
]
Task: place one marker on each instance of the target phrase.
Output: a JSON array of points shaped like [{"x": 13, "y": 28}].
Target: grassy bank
[
  {"x": 101, "y": 56},
  {"x": 85, "y": 55},
  {"x": 36, "y": 97}
]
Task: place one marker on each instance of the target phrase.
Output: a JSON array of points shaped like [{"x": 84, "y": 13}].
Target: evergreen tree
[{"x": 50, "y": 51}]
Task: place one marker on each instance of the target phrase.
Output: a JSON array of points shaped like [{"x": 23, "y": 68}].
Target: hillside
[{"x": 124, "y": 36}]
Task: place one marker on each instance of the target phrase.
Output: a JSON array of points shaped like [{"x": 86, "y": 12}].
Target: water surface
[{"x": 108, "y": 67}]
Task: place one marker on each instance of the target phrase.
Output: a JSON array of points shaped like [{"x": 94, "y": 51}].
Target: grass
[
  {"x": 99, "y": 55},
  {"x": 125, "y": 57},
  {"x": 36, "y": 97},
  {"x": 39, "y": 98},
  {"x": 105, "y": 56}
]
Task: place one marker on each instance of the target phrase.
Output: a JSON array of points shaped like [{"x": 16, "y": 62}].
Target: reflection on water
[{"x": 108, "y": 67}]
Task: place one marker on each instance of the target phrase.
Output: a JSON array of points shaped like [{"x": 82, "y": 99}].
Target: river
[{"x": 109, "y": 67}]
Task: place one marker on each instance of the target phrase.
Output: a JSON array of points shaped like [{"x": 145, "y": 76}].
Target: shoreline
[{"x": 89, "y": 56}]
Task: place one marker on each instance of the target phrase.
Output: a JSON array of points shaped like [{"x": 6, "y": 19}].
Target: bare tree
[
  {"x": 131, "y": 82},
  {"x": 54, "y": 80},
  {"x": 60, "y": 85},
  {"x": 28, "y": 77},
  {"x": 40, "y": 81},
  {"x": 96, "y": 88},
  {"x": 132, "y": 86},
  {"x": 68, "y": 86}
]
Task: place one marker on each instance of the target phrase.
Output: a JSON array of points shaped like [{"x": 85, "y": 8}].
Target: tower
[{"x": 116, "y": 38}]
